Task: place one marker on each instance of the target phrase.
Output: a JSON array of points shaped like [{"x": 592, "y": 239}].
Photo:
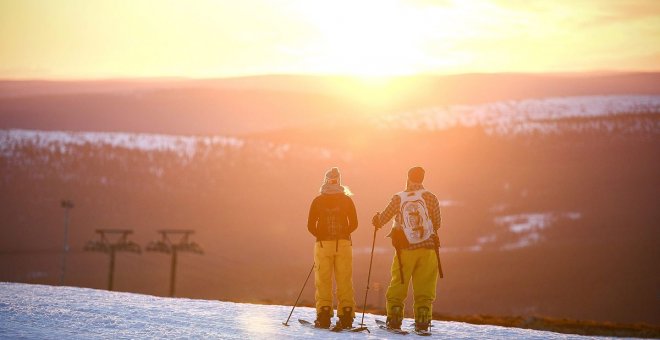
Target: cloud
[
  {"x": 621, "y": 12},
  {"x": 587, "y": 14}
]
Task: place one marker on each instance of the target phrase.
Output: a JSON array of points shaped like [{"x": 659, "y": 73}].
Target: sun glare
[{"x": 366, "y": 38}]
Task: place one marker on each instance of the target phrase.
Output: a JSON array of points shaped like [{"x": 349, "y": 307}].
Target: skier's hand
[{"x": 375, "y": 221}]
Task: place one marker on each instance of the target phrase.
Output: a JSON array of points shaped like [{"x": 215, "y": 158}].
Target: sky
[{"x": 94, "y": 39}]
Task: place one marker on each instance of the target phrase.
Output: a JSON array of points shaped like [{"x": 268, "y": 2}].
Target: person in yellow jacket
[
  {"x": 417, "y": 218},
  {"x": 332, "y": 219}
]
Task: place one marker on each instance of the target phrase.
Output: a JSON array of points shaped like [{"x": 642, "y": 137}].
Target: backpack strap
[{"x": 398, "y": 256}]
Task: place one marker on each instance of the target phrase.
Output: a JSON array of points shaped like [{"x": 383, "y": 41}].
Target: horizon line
[{"x": 324, "y": 75}]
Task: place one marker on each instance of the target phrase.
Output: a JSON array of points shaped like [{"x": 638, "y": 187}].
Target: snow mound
[{"x": 48, "y": 312}]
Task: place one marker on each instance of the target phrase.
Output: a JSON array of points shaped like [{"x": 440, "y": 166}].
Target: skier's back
[
  {"x": 332, "y": 219},
  {"x": 414, "y": 234}
]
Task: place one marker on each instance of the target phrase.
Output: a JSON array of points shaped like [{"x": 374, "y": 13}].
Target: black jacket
[{"x": 332, "y": 217}]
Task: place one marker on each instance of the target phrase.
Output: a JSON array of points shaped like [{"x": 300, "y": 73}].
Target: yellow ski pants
[
  {"x": 334, "y": 257},
  {"x": 420, "y": 265}
]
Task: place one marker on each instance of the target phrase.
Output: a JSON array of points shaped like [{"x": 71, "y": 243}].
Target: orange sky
[{"x": 203, "y": 38}]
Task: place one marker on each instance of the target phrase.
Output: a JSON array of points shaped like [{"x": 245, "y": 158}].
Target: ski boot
[
  {"x": 422, "y": 319},
  {"x": 323, "y": 318},
  {"x": 394, "y": 320},
  {"x": 346, "y": 319}
]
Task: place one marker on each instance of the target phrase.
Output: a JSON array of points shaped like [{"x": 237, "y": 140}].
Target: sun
[{"x": 367, "y": 38}]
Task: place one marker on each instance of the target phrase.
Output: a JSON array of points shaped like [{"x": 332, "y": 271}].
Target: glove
[{"x": 375, "y": 221}]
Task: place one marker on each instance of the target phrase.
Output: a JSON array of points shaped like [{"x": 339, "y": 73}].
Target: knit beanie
[
  {"x": 332, "y": 176},
  {"x": 416, "y": 174}
]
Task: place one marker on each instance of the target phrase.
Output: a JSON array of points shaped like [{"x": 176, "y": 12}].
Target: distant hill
[{"x": 255, "y": 104}]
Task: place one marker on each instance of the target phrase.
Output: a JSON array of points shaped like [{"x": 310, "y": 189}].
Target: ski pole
[
  {"x": 286, "y": 323},
  {"x": 364, "y": 306}
]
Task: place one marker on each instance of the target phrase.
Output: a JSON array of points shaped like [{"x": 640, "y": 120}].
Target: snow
[
  {"x": 527, "y": 229},
  {"x": 545, "y": 115},
  {"x": 528, "y": 226},
  {"x": 59, "y": 140},
  {"x": 49, "y": 312},
  {"x": 526, "y": 222},
  {"x": 186, "y": 148},
  {"x": 530, "y": 222}
]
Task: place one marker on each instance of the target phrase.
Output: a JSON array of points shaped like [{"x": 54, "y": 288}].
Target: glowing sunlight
[
  {"x": 369, "y": 39},
  {"x": 202, "y": 39}
]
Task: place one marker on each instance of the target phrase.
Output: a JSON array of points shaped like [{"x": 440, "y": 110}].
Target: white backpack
[{"x": 415, "y": 220}]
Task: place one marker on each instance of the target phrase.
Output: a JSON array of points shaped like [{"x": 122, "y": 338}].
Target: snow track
[{"x": 48, "y": 312}]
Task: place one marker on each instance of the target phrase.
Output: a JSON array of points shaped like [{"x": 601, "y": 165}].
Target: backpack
[
  {"x": 333, "y": 224},
  {"x": 414, "y": 217}
]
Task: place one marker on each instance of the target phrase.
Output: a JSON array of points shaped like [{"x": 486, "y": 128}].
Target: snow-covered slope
[
  {"x": 625, "y": 114},
  {"x": 14, "y": 143},
  {"x": 59, "y": 140},
  {"x": 548, "y": 115},
  {"x": 47, "y": 312}
]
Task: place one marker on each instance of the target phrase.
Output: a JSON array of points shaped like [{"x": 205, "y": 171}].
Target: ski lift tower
[
  {"x": 104, "y": 245},
  {"x": 167, "y": 246}
]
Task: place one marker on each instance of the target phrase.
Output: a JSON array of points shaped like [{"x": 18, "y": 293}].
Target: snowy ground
[{"x": 48, "y": 312}]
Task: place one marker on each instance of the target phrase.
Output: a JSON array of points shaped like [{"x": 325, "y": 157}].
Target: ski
[
  {"x": 332, "y": 329},
  {"x": 382, "y": 325},
  {"x": 422, "y": 333},
  {"x": 309, "y": 324},
  {"x": 359, "y": 329},
  {"x": 425, "y": 332}
]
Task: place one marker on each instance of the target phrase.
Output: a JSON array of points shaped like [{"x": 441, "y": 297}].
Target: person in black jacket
[{"x": 332, "y": 219}]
